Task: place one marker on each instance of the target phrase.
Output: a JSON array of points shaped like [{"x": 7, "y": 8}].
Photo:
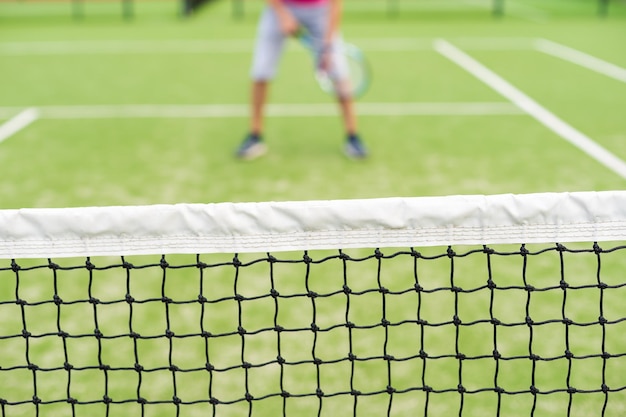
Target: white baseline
[{"x": 17, "y": 123}]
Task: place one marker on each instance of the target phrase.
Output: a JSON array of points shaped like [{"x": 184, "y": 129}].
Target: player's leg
[
  {"x": 267, "y": 52},
  {"x": 315, "y": 21}
]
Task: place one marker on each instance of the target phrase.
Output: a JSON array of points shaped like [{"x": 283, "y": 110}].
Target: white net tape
[{"x": 309, "y": 225}]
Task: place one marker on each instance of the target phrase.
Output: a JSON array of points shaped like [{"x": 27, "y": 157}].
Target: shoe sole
[{"x": 254, "y": 152}]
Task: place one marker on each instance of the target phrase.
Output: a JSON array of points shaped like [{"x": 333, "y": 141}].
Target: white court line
[
  {"x": 230, "y": 46},
  {"x": 273, "y": 110},
  {"x": 581, "y": 58},
  {"x": 17, "y": 123},
  {"x": 531, "y": 107}
]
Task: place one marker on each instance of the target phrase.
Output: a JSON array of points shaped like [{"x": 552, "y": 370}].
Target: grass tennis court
[{"x": 149, "y": 111}]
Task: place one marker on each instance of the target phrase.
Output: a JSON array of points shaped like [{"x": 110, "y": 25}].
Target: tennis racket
[{"x": 357, "y": 68}]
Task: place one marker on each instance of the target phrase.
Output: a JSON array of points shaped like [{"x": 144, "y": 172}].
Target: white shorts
[{"x": 270, "y": 41}]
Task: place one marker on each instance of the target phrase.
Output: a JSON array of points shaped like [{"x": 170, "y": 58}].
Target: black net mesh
[{"x": 507, "y": 331}]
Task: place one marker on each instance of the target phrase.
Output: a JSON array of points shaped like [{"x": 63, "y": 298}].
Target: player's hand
[{"x": 288, "y": 24}]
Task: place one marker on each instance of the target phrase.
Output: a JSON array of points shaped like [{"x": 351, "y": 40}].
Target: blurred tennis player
[{"x": 280, "y": 20}]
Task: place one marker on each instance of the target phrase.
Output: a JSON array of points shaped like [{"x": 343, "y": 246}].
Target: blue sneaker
[
  {"x": 355, "y": 147},
  {"x": 251, "y": 148}
]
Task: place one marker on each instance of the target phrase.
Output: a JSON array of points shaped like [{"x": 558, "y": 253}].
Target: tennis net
[{"x": 461, "y": 305}]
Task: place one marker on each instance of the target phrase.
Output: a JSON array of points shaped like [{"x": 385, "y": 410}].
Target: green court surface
[{"x": 103, "y": 110}]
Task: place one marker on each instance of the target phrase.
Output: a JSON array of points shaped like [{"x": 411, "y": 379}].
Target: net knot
[
  {"x": 214, "y": 401},
  {"x": 495, "y": 321},
  {"x": 274, "y": 293},
  {"x": 53, "y": 266},
  {"x": 496, "y": 354},
  {"x": 378, "y": 254},
  {"x": 21, "y": 302},
  {"x": 246, "y": 365},
  {"x": 456, "y": 320},
  {"x": 307, "y": 259},
  {"x": 602, "y": 285},
  {"x": 460, "y": 388},
  {"x": 138, "y": 367},
  {"x": 239, "y": 297},
  {"x": 278, "y": 328},
  {"x": 571, "y": 390},
  {"x": 36, "y": 400},
  {"x": 104, "y": 367},
  {"x": 355, "y": 393},
  {"x": 390, "y": 389},
  {"x": 93, "y": 300},
  {"x": 460, "y": 356},
  {"x": 491, "y": 285},
  {"x": 314, "y": 327},
  {"x": 389, "y": 358},
  {"x": 164, "y": 264},
  {"x": 317, "y": 361},
  {"x": 271, "y": 258},
  {"x": 312, "y": 294},
  {"x": 26, "y": 334},
  {"x": 351, "y": 357},
  {"x": 529, "y": 321},
  {"x": 134, "y": 335},
  {"x": 142, "y": 400},
  {"x": 350, "y": 325},
  {"x": 499, "y": 390},
  {"x": 281, "y": 360},
  {"x": 174, "y": 368},
  {"x": 130, "y": 299},
  {"x": 127, "y": 265},
  {"x": 68, "y": 366},
  {"x": 385, "y": 322},
  {"x": 523, "y": 251},
  {"x": 456, "y": 289},
  {"x": 57, "y": 300},
  {"x": 202, "y": 299},
  {"x": 418, "y": 288},
  {"x": 568, "y": 354},
  {"x": 563, "y": 284},
  {"x": 450, "y": 253},
  {"x": 249, "y": 397},
  {"x": 319, "y": 392},
  {"x": 422, "y": 322},
  {"x": 529, "y": 288},
  {"x": 169, "y": 334},
  {"x": 201, "y": 265},
  {"x": 209, "y": 367},
  {"x": 427, "y": 388},
  {"x": 14, "y": 266},
  {"x": 241, "y": 330},
  {"x": 534, "y": 357},
  {"x": 166, "y": 300},
  {"x": 567, "y": 321},
  {"x": 107, "y": 400},
  {"x": 71, "y": 400},
  {"x": 285, "y": 394},
  {"x": 415, "y": 253},
  {"x": 346, "y": 289},
  {"x": 176, "y": 400},
  {"x": 534, "y": 390},
  {"x": 604, "y": 388},
  {"x": 596, "y": 248},
  {"x": 606, "y": 355},
  {"x": 33, "y": 367},
  {"x": 488, "y": 250},
  {"x": 3, "y": 401},
  {"x": 423, "y": 354}
]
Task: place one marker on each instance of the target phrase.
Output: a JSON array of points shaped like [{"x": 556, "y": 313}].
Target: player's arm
[
  {"x": 288, "y": 23},
  {"x": 334, "y": 20}
]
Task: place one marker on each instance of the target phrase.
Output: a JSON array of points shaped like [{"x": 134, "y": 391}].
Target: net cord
[{"x": 311, "y": 225}]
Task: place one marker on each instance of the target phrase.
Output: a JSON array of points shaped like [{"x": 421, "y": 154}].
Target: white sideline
[
  {"x": 581, "y": 58},
  {"x": 273, "y": 110},
  {"x": 531, "y": 107},
  {"x": 311, "y": 225},
  {"x": 17, "y": 123}
]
